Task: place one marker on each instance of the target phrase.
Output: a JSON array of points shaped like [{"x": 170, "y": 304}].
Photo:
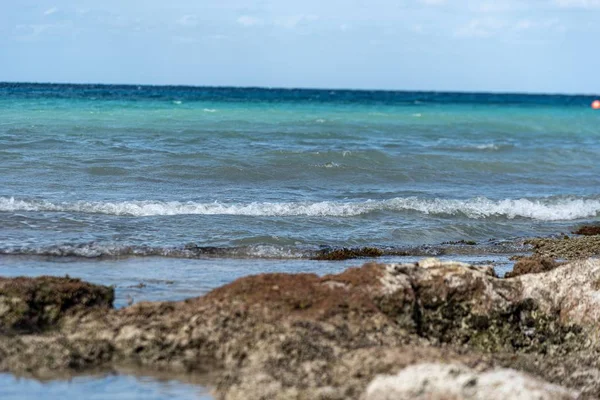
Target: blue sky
[{"x": 502, "y": 45}]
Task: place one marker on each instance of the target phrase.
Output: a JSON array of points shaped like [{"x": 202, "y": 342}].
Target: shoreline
[
  {"x": 565, "y": 246},
  {"x": 385, "y": 316},
  {"x": 91, "y": 251}
]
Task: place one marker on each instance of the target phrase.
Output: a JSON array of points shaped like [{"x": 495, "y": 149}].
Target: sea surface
[{"x": 183, "y": 189}]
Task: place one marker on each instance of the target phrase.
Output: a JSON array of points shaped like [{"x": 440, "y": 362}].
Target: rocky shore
[{"x": 426, "y": 330}]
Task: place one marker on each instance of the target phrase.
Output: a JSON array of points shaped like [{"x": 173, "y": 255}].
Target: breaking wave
[
  {"x": 108, "y": 250},
  {"x": 545, "y": 209}
]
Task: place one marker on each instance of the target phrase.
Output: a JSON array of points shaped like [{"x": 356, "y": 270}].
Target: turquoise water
[
  {"x": 103, "y": 182},
  {"x": 93, "y": 170}
]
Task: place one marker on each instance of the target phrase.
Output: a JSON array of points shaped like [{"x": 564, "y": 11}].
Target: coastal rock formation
[
  {"x": 569, "y": 248},
  {"x": 452, "y": 381},
  {"x": 571, "y": 292},
  {"x": 301, "y": 336},
  {"x": 532, "y": 265},
  {"x": 588, "y": 230},
  {"x": 33, "y": 304}
]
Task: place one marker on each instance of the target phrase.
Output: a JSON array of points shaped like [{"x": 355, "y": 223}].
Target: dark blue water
[{"x": 276, "y": 95}]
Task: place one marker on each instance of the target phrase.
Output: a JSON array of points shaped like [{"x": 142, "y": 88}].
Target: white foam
[
  {"x": 209, "y": 110},
  {"x": 547, "y": 209},
  {"x": 489, "y": 146},
  {"x": 95, "y": 250},
  {"x": 327, "y": 165}
]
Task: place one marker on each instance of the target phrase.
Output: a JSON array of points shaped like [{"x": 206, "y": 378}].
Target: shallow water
[
  {"x": 105, "y": 387},
  {"x": 159, "y": 279}
]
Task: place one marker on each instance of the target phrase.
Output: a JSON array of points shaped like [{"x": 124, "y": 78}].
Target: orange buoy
[{"x": 596, "y": 104}]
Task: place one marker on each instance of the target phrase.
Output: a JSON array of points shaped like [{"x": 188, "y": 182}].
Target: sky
[{"x": 540, "y": 46}]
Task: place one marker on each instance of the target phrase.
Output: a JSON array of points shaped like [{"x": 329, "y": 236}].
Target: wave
[
  {"x": 108, "y": 250},
  {"x": 488, "y": 147},
  {"x": 545, "y": 209},
  {"x": 95, "y": 250}
]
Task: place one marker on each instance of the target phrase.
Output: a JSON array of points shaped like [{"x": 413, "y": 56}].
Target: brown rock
[
  {"x": 570, "y": 248},
  {"x": 588, "y": 230},
  {"x": 532, "y": 265},
  {"x": 301, "y": 336},
  {"x": 346, "y": 254},
  {"x": 35, "y": 304}
]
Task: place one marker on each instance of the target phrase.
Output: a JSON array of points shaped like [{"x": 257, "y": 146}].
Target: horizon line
[{"x": 306, "y": 88}]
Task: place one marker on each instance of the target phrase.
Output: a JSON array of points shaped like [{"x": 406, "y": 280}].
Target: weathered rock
[
  {"x": 34, "y": 304},
  {"x": 572, "y": 292},
  {"x": 346, "y": 254},
  {"x": 532, "y": 265},
  {"x": 588, "y": 230},
  {"x": 303, "y": 336},
  {"x": 569, "y": 248},
  {"x": 454, "y": 381}
]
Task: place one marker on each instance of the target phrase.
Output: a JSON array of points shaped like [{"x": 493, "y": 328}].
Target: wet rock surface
[
  {"x": 301, "y": 336},
  {"x": 35, "y": 304},
  {"x": 532, "y": 265},
  {"x": 588, "y": 230},
  {"x": 569, "y": 248},
  {"x": 346, "y": 254}
]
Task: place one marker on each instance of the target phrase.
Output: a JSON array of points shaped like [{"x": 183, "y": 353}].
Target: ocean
[{"x": 168, "y": 192}]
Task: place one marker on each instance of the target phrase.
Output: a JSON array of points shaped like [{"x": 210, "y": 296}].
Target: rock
[
  {"x": 588, "y": 230},
  {"x": 569, "y": 248},
  {"x": 457, "y": 382},
  {"x": 571, "y": 291},
  {"x": 347, "y": 376},
  {"x": 33, "y": 304},
  {"x": 532, "y": 265},
  {"x": 301, "y": 336},
  {"x": 346, "y": 254}
]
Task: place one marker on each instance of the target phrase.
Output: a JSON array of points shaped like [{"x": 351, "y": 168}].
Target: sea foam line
[
  {"x": 110, "y": 250},
  {"x": 546, "y": 209}
]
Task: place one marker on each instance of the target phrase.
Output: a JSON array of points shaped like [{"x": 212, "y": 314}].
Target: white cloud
[
  {"x": 217, "y": 37},
  {"x": 495, "y": 7},
  {"x": 247, "y": 20},
  {"x": 184, "y": 39},
  {"x": 524, "y": 25},
  {"x": 489, "y": 26},
  {"x": 547, "y": 25},
  {"x": 292, "y": 21},
  {"x": 433, "y": 2},
  {"x": 586, "y": 4},
  {"x": 50, "y": 11},
  {"x": 32, "y": 32},
  {"x": 417, "y": 28},
  {"x": 480, "y": 27},
  {"x": 188, "y": 20}
]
